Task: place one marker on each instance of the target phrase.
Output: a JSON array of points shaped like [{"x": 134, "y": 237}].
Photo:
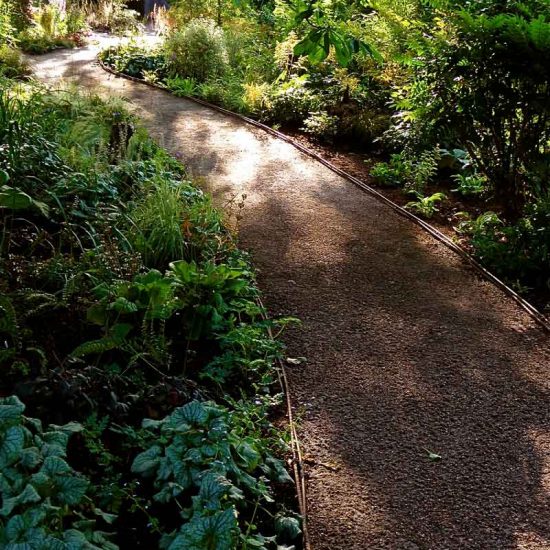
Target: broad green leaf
[
  {"x": 71, "y": 489},
  {"x": 28, "y": 495},
  {"x": 4, "y": 177},
  {"x": 147, "y": 462},
  {"x": 12, "y": 444}
]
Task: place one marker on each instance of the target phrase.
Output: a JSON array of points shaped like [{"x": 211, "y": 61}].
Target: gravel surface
[{"x": 408, "y": 351}]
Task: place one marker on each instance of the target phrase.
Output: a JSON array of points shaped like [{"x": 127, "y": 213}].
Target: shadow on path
[{"x": 408, "y": 351}]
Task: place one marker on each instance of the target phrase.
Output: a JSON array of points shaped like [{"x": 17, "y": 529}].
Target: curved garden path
[{"x": 408, "y": 350}]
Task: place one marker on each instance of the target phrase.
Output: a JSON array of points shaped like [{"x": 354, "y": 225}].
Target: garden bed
[{"x": 139, "y": 377}]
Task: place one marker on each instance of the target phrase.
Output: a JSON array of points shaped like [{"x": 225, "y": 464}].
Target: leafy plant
[
  {"x": 202, "y": 459},
  {"x": 181, "y": 86},
  {"x": 471, "y": 184},
  {"x": 392, "y": 174},
  {"x": 321, "y": 125},
  {"x": 495, "y": 103},
  {"x": 42, "y": 496},
  {"x": 426, "y": 206}
]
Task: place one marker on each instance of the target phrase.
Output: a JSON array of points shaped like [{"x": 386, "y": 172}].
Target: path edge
[{"x": 530, "y": 309}]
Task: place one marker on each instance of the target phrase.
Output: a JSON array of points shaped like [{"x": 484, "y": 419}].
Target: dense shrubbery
[{"x": 124, "y": 300}]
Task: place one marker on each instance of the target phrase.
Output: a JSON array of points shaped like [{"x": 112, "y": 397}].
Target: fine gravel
[{"x": 408, "y": 351}]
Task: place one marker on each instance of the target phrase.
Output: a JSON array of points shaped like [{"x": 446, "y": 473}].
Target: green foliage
[
  {"x": 426, "y": 206},
  {"x": 321, "y": 125},
  {"x": 489, "y": 86},
  {"x": 7, "y": 27},
  {"x": 326, "y": 32},
  {"x": 12, "y": 64},
  {"x": 204, "y": 459},
  {"x": 198, "y": 50},
  {"x": 134, "y": 61},
  {"x": 51, "y": 29},
  {"x": 111, "y": 16},
  {"x": 182, "y": 86},
  {"x": 293, "y": 101},
  {"x": 471, "y": 184},
  {"x": 93, "y": 210},
  {"x": 393, "y": 173},
  {"x": 411, "y": 173},
  {"x": 520, "y": 253},
  {"x": 42, "y": 496},
  {"x": 158, "y": 220}
]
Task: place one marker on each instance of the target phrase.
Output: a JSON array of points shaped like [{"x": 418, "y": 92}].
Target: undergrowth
[{"x": 133, "y": 334}]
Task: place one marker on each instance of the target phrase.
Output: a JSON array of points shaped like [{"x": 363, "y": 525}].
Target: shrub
[
  {"x": 292, "y": 101},
  {"x": 198, "y": 51},
  {"x": 256, "y": 98},
  {"x": 491, "y": 86},
  {"x": 411, "y": 173},
  {"x": 321, "y": 125},
  {"x": 520, "y": 253},
  {"x": 7, "y": 29},
  {"x": 135, "y": 61}
]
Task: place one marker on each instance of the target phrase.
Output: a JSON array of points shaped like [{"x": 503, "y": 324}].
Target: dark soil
[{"x": 408, "y": 351}]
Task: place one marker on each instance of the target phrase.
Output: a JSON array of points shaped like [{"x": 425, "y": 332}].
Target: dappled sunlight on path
[{"x": 409, "y": 352}]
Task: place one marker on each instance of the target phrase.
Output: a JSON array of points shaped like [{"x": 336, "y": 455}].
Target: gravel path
[{"x": 408, "y": 351}]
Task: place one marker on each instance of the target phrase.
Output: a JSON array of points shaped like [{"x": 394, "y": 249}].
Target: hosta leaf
[{"x": 147, "y": 462}]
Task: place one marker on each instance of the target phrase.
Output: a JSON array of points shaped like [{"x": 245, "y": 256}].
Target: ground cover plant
[
  {"x": 437, "y": 95},
  {"x": 138, "y": 375}
]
